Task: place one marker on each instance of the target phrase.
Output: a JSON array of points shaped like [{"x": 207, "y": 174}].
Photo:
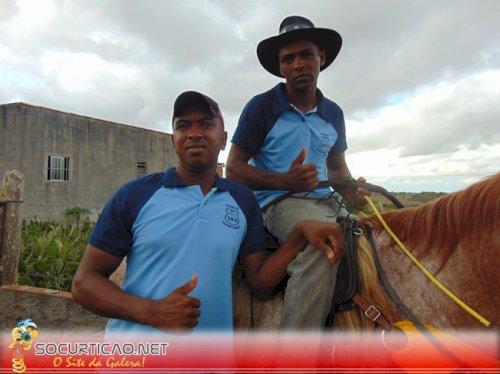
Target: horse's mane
[{"x": 444, "y": 222}]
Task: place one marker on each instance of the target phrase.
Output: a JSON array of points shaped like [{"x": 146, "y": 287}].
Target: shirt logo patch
[
  {"x": 325, "y": 143},
  {"x": 232, "y": 218}
]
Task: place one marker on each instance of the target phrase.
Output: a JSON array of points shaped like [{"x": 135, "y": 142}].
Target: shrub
[
  {"x": 75, "y": 214},
  {"x": 51, "y": 253}
]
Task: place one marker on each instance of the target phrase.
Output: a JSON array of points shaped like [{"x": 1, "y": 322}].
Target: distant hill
[{"x": 409, "y": 199}]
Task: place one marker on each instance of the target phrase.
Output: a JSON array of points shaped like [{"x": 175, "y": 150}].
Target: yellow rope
[{"x": 464, "y": 306}]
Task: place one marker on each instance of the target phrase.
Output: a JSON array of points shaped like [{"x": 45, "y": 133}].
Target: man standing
[
  {"x": 288, "y": 139},
  {"x": 182, "y": 231}
]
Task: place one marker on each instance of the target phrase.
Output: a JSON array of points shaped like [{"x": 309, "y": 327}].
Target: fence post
[{"x": 11, "y": 197}]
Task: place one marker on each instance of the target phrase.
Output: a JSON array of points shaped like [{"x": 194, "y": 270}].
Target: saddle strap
[{"x": 371, "y": 312}]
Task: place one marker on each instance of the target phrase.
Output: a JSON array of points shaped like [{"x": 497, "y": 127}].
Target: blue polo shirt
[
  {"x": 169, "y": 231},
  {"x": 274, "y": 132}
]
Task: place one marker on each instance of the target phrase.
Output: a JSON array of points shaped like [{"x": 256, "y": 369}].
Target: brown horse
[{"x": 456, "y": 237}]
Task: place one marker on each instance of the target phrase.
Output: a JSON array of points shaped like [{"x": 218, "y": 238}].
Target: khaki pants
[{"x": 310, "y": 288}]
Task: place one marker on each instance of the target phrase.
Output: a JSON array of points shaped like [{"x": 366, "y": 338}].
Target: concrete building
[{"x": 70, "y": 160}]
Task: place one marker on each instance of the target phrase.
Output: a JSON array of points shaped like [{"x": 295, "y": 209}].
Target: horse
[{"x": 456, "y": 237}]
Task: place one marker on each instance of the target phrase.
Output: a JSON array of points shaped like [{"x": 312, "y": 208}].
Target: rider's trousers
[{"x": 310, "y": 288}]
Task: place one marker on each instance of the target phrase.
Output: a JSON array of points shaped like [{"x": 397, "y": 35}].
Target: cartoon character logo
[
  {"x": 23, "y": 336},
  {"x": 232, "y": 218}
]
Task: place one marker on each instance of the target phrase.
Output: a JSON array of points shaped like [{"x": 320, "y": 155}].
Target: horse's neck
[{"x": 471, "y": 273}]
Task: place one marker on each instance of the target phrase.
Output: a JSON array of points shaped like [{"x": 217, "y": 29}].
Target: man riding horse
[{"x": 288, "y": 139}]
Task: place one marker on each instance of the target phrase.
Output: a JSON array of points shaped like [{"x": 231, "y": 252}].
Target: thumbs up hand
[
  {"x": 177, "y": 312},
  {"x": 301, "y": 177},
  {"x": 186, "y": 288}
]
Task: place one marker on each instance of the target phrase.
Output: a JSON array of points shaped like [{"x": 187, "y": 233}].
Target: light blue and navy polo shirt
[
  {"x": 274, "y": 132},
  {"x": 169, "y": 231}
]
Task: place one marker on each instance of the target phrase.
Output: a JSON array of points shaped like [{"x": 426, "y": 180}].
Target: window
[
  {"x": 58, "y": 168},
  {"x": 142, "y": 168}
]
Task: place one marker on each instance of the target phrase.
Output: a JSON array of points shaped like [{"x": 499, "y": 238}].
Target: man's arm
[
  {"x": 299, "y": 178},
  {"x": 176, "y": 312},
  {"x": 265, "y": 271},
  {"x": 337, "y": 167}
]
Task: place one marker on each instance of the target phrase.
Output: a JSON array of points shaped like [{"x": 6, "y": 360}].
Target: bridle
[{"x": 343, "y": 186}]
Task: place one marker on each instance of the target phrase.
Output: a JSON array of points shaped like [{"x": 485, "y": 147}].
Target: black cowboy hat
[{"x": 295, "y": 28}]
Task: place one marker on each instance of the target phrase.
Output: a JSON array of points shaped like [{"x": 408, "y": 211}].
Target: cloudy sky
[{"x": 419, "y": 81}]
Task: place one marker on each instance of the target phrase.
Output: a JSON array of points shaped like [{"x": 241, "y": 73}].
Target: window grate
[
  {"x": 58, "y": 168},
  {"x": 142, "y": 168}
]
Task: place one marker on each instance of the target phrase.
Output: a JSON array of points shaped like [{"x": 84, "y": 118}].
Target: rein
[
  {"x": 442, "y": 287},
  {"x": 342, "y": 185},
  {"x": 402, "y": 306},
  {"x": 388, "y": 287},
  {"x": 371, "y": 311}
]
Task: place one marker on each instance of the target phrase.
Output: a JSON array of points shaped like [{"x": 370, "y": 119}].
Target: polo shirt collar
[
  {"x": 171, "y": 179},
  {"x": 282, "y": 102}
]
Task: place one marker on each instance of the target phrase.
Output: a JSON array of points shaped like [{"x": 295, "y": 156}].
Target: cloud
[
  {"x": 417, "y": 81},
  {"x": 8, "y": 9},
  {"x": 438, "y": 118},
  {"x": 394, "y": 46}
]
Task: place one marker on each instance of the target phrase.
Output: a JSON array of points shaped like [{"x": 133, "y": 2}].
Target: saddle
[{"x": 348, "y": 282}]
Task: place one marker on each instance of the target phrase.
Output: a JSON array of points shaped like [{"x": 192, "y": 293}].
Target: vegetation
[
  {"x": 76, "y": 214},
  {"x": 52, "y": 251},
  {"x": 408, "y": 199}
]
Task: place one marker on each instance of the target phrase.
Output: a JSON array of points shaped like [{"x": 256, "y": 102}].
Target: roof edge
[{"x": 23, "y": 103}]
